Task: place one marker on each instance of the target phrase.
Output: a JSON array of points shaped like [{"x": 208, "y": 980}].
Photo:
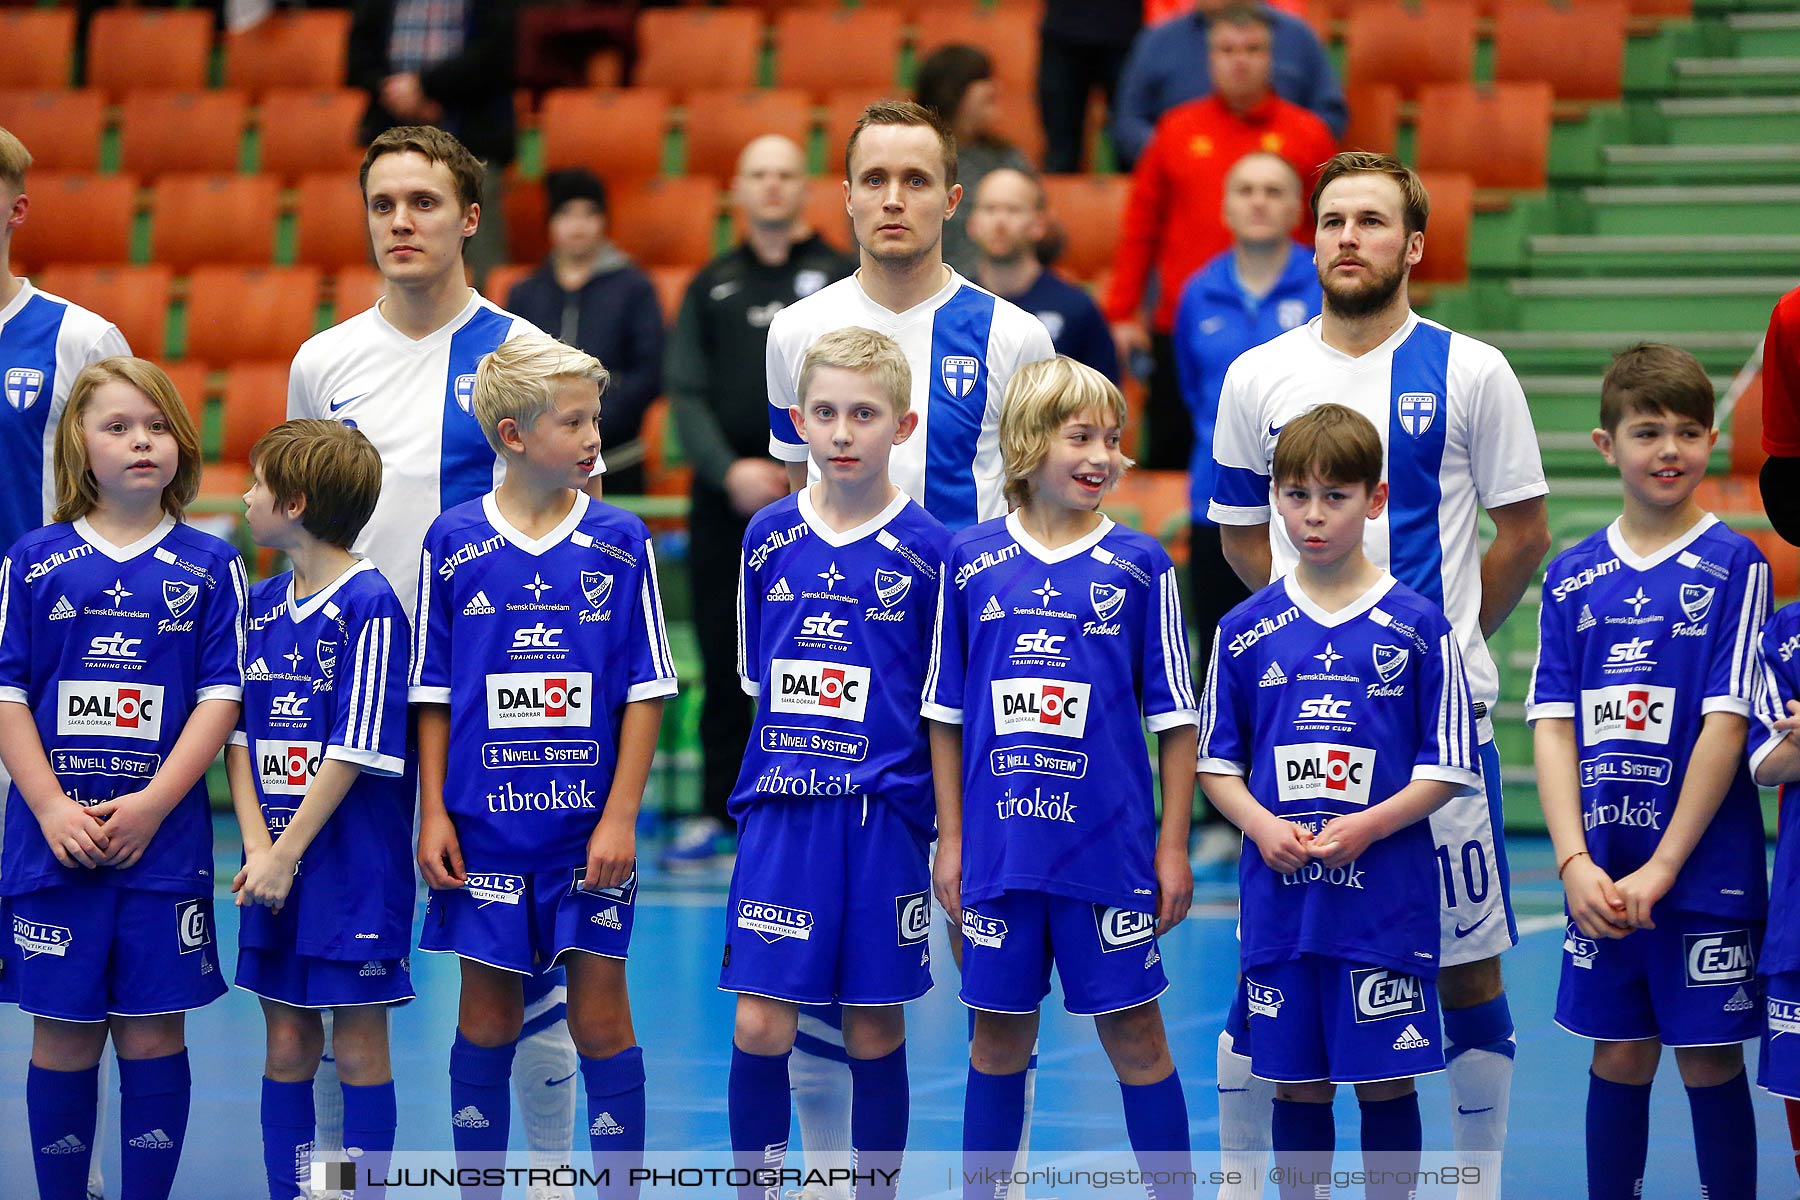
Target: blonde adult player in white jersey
[
  {"x": 402, "y": 372},
  {"x": 963, "y": 344},
  {"x": 1459, "y": 440}
]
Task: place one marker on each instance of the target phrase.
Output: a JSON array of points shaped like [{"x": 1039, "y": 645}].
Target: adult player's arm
[
  {"x": 1508, "y": 473},
  {"x": 301, "y": 401},
  {"x": 1240, "y": 500},
  {"x": 133, "y": 819},
  {"x": 946, "y": 783},
  {"x": 1246, "y": 548},
  {"x": 613, "y": 846},
  {"x": 784, "y": 440},
  {"x": 73, "y": 833},
  {"x": 1177, "y": 750},
  {"x": 440, "y": 853},
  {"x": 1521, "y": 539}
]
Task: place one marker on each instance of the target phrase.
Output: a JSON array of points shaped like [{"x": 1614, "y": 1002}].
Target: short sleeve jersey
[
  {"x": 1053, "y": 662},
  {"x": 1324, "y": 714},
  {"x": 833, "y": 633},
  {"x": 112, "y": 648},
  {"x": 1636, "y": 652},
  {"x": 326, "y": 679},
  {"x": 1456, "y": 435},
  {"x": 537, "y": 645},
  {"x": 1778, "y": 682},
  {"x": 963, "y": 345}
]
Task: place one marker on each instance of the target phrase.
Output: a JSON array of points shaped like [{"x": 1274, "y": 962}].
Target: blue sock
[
  {"x": 880, "y": 1110},
  {"x": 480, "y": 1105},
  {"x": 1618, "y": 1138},
  {"x": 993, "y": 1121},
  {"x": 1392, "y": 1141},
  {"x": 615, "y": 1101},
  {"x": 287, "y": 1130},
  {"x": 759, "y": 1108},
  {"x": 1725, "y": 1137},
  {"x": 370, "y": 1115},
  {"x": 1156, "y": 1120},
  {"x": 1304, "y": 1137},
  {"x": 154, "y": 1094},
  {"x": 60, "y": 1107}
]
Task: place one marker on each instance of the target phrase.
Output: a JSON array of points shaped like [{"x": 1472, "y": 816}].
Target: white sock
[
  {"x": 328, "y": 1102},
  {"x": 1246, "y": 1115},
  {"x": 821, "y": 1090},
  {"x": 546, "y": 1081},
  {"x": 1480, "y": 1090},
  {"x": 1022, "y": 1160},
  {"x": 97, "y": 1180}
]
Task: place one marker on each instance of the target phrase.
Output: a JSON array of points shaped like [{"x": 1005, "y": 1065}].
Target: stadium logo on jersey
[
  {"x": 35, "y": 938},
  {"x": 803, "y": 685},
  {"x": 478, "y": 606},
  {"x": 1382, "y": 992},
  {"x": 62, "y": 610},
  {"x": 1581, "y": 949},
  {"x": 1627, "y": 712},
  {"x": 891, "y": 587},
  {"x": 1107, "y": 599},
  {"x": 1390, "y": 661},
  {"x": 1583, "y": 578},
  {"x": 527, "y": 698},
  {"x": 772, "y": 922},
  {"x": 1417, "y": 411},
  {"x": 179, "y": 597},
  {"x": 192, "y": 929},
  {"x": 959, "y": 373},
  {"x": 1784, "y": 1017},
  {"x": 286, "y": 767},
  {"x": 23, "y": 384},
  {"x": 1263, "y": 1000},
  {"x": 964, "y": 573},
  {"x": 1320, "y": 770},
  {"x": 1586, "y": 621},
  {"x": 983, "y": 931},
  {"x": 494, "y": 889},
  {"x": 1051, "y": 706},
  {"x": 912, "y": 917},
  {"x": 781, "y": 591},
  {"x": 465, "y": 393},
  {"x": 110, "y": 710},
  {"x": 1696, "y": 601},
  {"x": 1632, "y": 656},
  {"x": 1719, "y": 959},
  {"x": 991, "y": 611},
  {"x": 1273, "y": 677},
  {"x": 1121, "y": 929},
  {"x": 597, "y": 587}
]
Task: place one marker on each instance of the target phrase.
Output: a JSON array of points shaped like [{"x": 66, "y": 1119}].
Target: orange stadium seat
[
  {"x": 236, "y": 313},
  {"x": 1017, "y": 120},
  {"x": 214, "y": 219},
  {"x": 824, "y": 50},
  {"x": 1374, "y": 118},
  {"x": 825, "y": 211},
  {"x": 501, "y": 279},
  {"x": 61, "y": 129},
  {"x": 1390, "y": 42},
  {"x": 671, "y": 285},
  {"x": 77, "y": 219},
  {"x": 310, "y": 129},
  {"x": 1498, "y": 133},
  {"x": 1579, "y": 51},
  {"x": 40, "y": 46},
  {"x": 1447, "y": 229},
  {"x": 131, "y": 48},
  {"x": 255, "y": 396},
  {"x": 354, "y": 289},
  {"x": 666, "y": 222},
  {"x": 719, "y": 124},
  {"x": 182, "y": 131},
  {"x": 1088, "y": 209},
  {"x": 331, "y": 229},
  {"x": 526, "y": 211},
  {"x": 693, "y": 48},
  {"x": 304, "y": 49},
  {"x": 136, "y": 299},
  {"x": 617, "y": 133},
  {"x": 190, "y": 380},
  {"x": 1009, "y": 36}
]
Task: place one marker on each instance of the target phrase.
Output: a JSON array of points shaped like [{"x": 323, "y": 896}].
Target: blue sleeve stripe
[
  {"x": 743, "y": 652},
  {"x": 956, "y": 405},
  {"x": 1750, "y": 619},
  {"x": 240, "y": 584},
  {"x": 1174, "y": 643},
  {"x": 937, "y": 638},
  {"x": 1209, "y": 702},
  {"x": 660, "y": 654},
  {"x": 1240, "y": 487},
  {"x": 465, "y": 459},
  {"x": 1417, "y": 424},
  {"x": 422, "y": 617}
]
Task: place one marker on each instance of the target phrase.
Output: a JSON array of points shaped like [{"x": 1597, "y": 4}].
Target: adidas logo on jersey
[
  {"x": 257, "y": 670},
  {"x": 67, "y": 1144},
  {"x": 1586, "y": 621},
  {"x": 604, "y": 1124},
  {"x": 1273, "y": 677},
  {"x": 156, "y": 1139},
  {"x": 469, "y": 1117},
  {"x": 1411, "y": 1039},
  {"x": 206, "y": 967},
  {"x": 372, "y": 970},
  {"x": 608, "y": 918},
  {"x": 991, "y": 611},
  {"x": 62, "y": 610},
  {"x": 781, "y": 590},
  {"x": 478, "y": 606},
  {"x": 1152, "y": 958},
  {"x": 1739, "y": 1002}
]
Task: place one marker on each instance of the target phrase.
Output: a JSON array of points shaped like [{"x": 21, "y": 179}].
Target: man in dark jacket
[{"x": 590, "y": 295}]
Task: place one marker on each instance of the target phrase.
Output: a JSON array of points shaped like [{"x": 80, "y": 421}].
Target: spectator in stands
[
  {"x": 1081, "y": 46},
  {"x": 1168, "y": 65},
  {"x": 1007, "y": 224},
  {"x": 1177, "y": 189},
  {"x": 447, "y": 63},
  {"x": 714, "y": 368},
  {"x": 1781, "y": 433},
  {"x": 589, "y": 294},
  {"x": 958, "y": 81}
]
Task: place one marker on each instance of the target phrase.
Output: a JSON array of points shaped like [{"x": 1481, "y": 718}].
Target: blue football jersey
[
  {"x": 1053, "y": 661},
  {"x": 537, "y": 646},
  {"x": 1636, "y": 651},
  {"x": 1777, "y": 682},
  {"x": 112, "y": 647},
  {"x": 833, "y": 633},
  {"x": 1323, "y": 714},
  {"x": 326, "y": 678}
]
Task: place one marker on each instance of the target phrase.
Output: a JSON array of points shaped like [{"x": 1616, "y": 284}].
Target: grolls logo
[
  {"x": 110, "y": 710},
  {"x": 1053, "y": 706},
  {"x": 1630, "y": 713},
  {"x": 1315, "y": 770},
  {"x": 826, "y": 689},
  {"x": 529, "y": 698},
  {"x": 772, "y": 922},
  {"x": 286, "y": 767}
]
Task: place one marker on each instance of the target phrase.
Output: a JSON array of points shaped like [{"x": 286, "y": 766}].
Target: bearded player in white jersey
[{"x": 1458, "y": 440}]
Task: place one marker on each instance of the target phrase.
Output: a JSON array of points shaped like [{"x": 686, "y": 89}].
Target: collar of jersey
[
  {"x": 436, "y": 336},
  {"x": 537, "y": 546},
  {"x": 832, "y": 537},
  {"x": 924, "y": 308},
  {"x": 1638, "y": 562},
  {"x": 1043, "y": 553},
  {"x": 1380, "y": 356},
  {"x": 1344, "y": 615},
  {"x": 26, "y": 292},
  {"x": 301, "y": 612},
  {"x": 86, "y": 533}
]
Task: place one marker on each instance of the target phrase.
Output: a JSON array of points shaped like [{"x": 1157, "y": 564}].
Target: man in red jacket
[{"x": 1172, "y": 221}]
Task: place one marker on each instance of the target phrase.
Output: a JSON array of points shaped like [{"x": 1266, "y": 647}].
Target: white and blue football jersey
[
  {"x": 1053, "y": 661},
  {"x": 1456, "y": 435},
  {"x": 1323, "y": 714},
  {"x": 1778, "y": 682},
  {"x": 833, "y": 633},
  {"x": 963, "y": 345},
  {"x": 112, "y": 647},
  {"x": 537, "y": 645},
  {"x": 1636, "y": 651},
  {"x": 326, "y": 679}
]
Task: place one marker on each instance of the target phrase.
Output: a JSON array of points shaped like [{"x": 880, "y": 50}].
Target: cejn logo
[
  {"x": 532, "y": 698},
  {"x": 1717, "y": 959},
  {"x": 111, "y": 710},
  {"x": 1382, "y": 993},
  {"x": 803, "y": 685},
  {"x": 912, "y": 916},
  {"x": 1121, "y": 929},
  {"x": 1053, "y": 706},
  {"x": 286, "y": 768},
  {"x": 1320, "y": 770},
  {"x": 1630, "y": 713}
]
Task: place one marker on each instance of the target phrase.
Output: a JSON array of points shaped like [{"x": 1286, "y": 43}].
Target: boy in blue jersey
[
  {"x": 831, "y": 895},
  {"x": 540, "y": 640},
  {"x": 1640, "y": 707},
  {"x": 1775, "y": 760},
  {"x": 323, "y": 797},
  {"x": 1059, "y": 637},
  {"x": 1336, "y": 719}
]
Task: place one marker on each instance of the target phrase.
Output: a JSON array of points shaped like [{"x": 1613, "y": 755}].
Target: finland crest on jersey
[
  {"x": 112, "y": 648},
  {"x": 1369, "y": 699},
  {"x": 536, "y": 645},
  {"x": 1636, "y": 651},
  {"x": 833, "y": 632},
  {"x": 1084, "y": 646}
]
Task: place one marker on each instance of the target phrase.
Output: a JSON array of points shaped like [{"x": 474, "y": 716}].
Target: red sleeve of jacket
[
  {"x": 1781, "y": 379},
  {"x": 1142, "y": 230}
]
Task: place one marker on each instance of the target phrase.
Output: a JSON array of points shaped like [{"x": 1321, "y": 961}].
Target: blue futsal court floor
[{"x": 684, "y": 1024}]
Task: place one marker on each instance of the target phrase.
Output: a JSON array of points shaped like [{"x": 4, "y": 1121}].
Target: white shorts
[{"x": 1475, "y": 914}]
